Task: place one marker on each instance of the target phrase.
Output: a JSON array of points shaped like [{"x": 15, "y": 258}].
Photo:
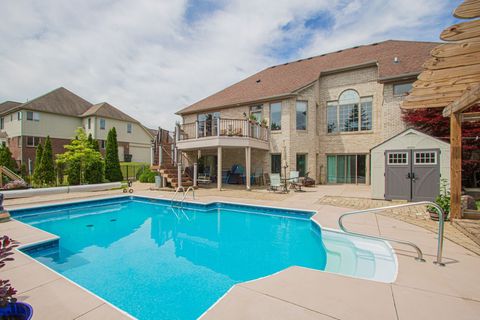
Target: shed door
[
  {"x": 397, "y": 175},
  {"x": 412, "y": 175},
  {"x": 425, "y": 175}
]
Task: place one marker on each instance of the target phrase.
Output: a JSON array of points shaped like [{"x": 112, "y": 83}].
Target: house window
[
  {"x": 102, "y": 124},
  {"x": 2, "y": 123},
  {"x": 276, "y": 163},
  {"x": 129, "y": 128},
  {"x": 33, "y": 116},
  {"x": 346, "y": 168},
  {"x": 256, "y": 112},
  {"x": 19, "y": 115},
  {"x": 89, "y": 123},
  {"x": 302, "y": 164},
  {"x": 401, "y": 89},
  {"x": 350, "y": 113},
  {"x": 276, "y": 116},
  {"x": 301, "y": 111},
  {"x": 33, "y": 141}
]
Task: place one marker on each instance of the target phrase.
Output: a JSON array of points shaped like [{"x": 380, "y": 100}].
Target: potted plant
[
  {"x": 10, "y": 309},
  {"x": 264, "y": 123},
  {"x": 443, "y": 200},
  {"x": 252, "y": 119}
]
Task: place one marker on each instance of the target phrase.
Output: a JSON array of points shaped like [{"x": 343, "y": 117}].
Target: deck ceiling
[{"x": 451, "y": 77}]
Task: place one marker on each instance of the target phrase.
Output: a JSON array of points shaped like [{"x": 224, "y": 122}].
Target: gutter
[{"x": 405, "y": 76}]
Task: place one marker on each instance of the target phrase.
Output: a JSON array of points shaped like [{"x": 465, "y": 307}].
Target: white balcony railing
[{"x": 223, "y": 128}]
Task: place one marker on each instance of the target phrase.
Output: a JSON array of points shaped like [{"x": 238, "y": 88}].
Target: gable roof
[
  {"x": 287, "y": 78},
  {"x": 409, "y": 131},
  {"x": 106, "y": 110},
  {"x": 59, "y": 101},
  {"x": 8, "y": 105}
]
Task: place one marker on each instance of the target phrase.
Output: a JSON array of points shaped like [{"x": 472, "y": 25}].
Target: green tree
[
  {"x": 47, "y": 166},
  {"x": 37, "y": 170},
  {"x": 112, "y": 163},
  {"x": 6, "y": 158},
  {"x": 79, "y": 157}
]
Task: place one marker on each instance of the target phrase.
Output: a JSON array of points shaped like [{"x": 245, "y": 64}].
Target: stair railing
[{"x": 441, "y": 220}]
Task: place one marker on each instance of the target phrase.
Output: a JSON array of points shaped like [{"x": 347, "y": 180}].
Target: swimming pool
[{"x": 159, "y": 262}]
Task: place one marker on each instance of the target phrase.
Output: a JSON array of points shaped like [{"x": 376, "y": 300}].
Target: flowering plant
[
  {"x": 7, "y": 292},
  {"x": 16, "y": 184}
]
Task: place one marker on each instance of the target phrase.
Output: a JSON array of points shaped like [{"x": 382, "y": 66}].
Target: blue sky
[{"x": 151, "y": 58}]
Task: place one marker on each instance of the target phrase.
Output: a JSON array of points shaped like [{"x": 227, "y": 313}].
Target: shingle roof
[
  {"x": 60, "y": 101},
  {"x": 8, "y": 105},
  {"x": 106, "y": 110},
  {"x": 289, "y": 77}
]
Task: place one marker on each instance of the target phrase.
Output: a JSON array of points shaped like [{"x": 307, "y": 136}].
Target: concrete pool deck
[{"x": 421, "y": 290}]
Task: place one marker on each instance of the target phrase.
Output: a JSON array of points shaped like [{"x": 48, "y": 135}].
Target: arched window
[{"x": 349, "y": 113}]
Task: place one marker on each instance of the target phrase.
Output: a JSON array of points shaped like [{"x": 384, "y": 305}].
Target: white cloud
[{"x": 145, "y": 57}]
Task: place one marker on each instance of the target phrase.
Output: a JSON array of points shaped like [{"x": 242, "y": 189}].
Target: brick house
[
  {"x": 58, "y": 114},
  {"x": 323, "y": 114}
]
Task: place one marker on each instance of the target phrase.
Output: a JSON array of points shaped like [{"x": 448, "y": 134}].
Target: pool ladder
[
  {"x": 441, "y": 215},
  {"x": 184, "y": 196}
]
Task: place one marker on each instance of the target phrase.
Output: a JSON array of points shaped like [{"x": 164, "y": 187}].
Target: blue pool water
[{"x": 156, "y": 262}]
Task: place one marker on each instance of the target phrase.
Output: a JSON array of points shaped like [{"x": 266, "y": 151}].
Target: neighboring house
[
  {"x": 58, "y": 114},
  {"x": 324, "y": 114}
]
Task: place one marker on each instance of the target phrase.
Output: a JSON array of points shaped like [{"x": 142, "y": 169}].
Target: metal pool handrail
[
  {"x": 441, "y": 215},
  {"x": 175, "y": 195},
  {"x": 186, "y": 193}
]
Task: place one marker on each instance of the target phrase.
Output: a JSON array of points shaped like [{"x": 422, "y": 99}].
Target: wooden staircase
[{"x": 166, "y": 168}]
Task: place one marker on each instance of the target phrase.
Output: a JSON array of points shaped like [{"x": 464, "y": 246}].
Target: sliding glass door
[{"x": 346, "y": 168}]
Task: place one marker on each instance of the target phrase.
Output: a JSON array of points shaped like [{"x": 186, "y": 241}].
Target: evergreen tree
[
  {"x": 37, "y": 170},
  {"x": 6, "y": 159},
  {"x": 112, "y": 163},
  {"x": 47, "y": 165}
]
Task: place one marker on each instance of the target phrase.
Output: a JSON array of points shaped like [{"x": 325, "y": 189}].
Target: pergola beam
[
  {"x": 470, "y": 97},
  {"x": 462, "y": 31},
  {"x": 455, "y": 49},
  {"x": 468, "y": 9}
]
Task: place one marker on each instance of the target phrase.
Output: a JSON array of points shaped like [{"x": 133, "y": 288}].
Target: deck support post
[
  {"x": 455, "y": 165},
  {"x": 195, "y": 174},
  {"x": 219, "y": 168},
  {"x": 179, "y": 174},
  {"x": 248, "y": 166}
]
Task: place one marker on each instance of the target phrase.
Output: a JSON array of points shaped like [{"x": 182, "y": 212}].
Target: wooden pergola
[{"x": 451, "y": 80}]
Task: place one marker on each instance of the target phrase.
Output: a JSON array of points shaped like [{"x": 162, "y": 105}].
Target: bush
[
  {"x": 94, "y": 172},
  {"x": 147, "y": 176},
  {"x": 74, "y": 172},
  {"x": 112, "y": 163}
]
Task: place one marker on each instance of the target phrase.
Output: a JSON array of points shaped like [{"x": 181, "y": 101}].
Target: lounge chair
[
  {"x": 258, "y": 176},
  {"x": 275, "y": 182},
  {"x": 295, "y": 181}
]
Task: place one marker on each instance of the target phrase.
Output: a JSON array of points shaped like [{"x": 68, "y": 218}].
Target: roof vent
[
  {"x": 395, "y": 60},
  {"x": 310, "y": 58},
  {"x": 258, "y": 81}
]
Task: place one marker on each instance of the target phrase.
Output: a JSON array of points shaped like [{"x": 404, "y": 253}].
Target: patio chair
[
  {"x": 307, "y": 181},
  {"x": 275, "y": 182},
  {"x": 258, "y": 176}
]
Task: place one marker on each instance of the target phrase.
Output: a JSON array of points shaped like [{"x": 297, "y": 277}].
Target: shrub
[
  {"x": 47, "y": 167},
  {"x": 37, "y": 170},
  {"x": 6, "y": 159},
  {"x": 73, "y": 172},
  {"x": 94, "y": 172},
  {"x": 147, "y": 176},
  {"x": 112, "y": 163}
]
